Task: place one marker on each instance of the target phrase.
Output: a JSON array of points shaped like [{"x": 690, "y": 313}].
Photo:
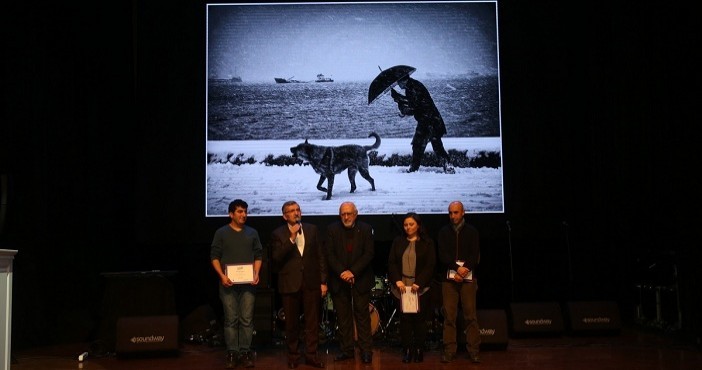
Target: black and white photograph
[{"x": 364, "y": 102}]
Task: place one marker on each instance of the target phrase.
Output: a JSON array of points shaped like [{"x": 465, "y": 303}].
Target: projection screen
[{"x": 305, "y": 102}]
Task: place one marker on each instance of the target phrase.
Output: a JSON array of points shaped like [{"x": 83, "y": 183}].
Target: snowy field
[{"x": 428, "y": 190}]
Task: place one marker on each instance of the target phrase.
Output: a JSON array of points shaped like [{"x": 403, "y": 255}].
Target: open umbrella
[{"x": 386, "y": 80}]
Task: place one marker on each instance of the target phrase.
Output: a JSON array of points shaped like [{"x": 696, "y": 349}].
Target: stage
[{"x": 631, "y": 348}]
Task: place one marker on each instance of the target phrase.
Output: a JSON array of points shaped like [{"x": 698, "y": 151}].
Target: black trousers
[
  {"x": 413, "y": 326},
  {"x": 350, "y": 306},
  {"x": 309, "y": 302}
]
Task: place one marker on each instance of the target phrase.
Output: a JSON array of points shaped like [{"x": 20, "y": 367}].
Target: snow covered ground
[{"x": 428, "y": 190}]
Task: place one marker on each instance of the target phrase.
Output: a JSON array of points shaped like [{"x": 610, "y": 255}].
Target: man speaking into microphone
[{"x": 300, "y": 262}]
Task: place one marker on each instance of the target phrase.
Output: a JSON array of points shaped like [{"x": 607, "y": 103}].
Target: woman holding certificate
[{"x": 411, "y": 267}]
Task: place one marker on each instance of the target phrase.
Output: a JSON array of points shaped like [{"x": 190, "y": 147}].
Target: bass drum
[{"x": 374, "y": 321}]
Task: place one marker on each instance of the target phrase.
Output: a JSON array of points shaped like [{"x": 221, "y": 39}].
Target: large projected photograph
[{"x": 394, "y": 106}]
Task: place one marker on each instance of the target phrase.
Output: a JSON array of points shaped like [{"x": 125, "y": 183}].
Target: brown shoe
[
  {"x": 245, "y": 360},
  {"x": 447, "y": 357},
  {"x": 474, "y": 358}
]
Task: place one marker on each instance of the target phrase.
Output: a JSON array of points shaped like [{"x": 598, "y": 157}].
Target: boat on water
[
  {"x": 290, "y": 80},
  {"x": 235, "y": 79},
  {"x": 321, "y": 78}
]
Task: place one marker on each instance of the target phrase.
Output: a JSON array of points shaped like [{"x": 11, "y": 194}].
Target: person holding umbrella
[
  {"x": 430, "y": 128},
  {"x": 416, "y": 102}
]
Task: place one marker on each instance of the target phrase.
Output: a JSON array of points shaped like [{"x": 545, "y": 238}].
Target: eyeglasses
[
  {"x": 293, "y": 210},
  {"x": 347, "y": 214}
]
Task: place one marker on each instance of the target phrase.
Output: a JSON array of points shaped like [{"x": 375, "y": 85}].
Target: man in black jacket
[
  {"x": 417, "y": 102},
  {"x": 298, "y": 257},
  {"x": 459, "y": 253},
  {"x": 350, "y": 256}
]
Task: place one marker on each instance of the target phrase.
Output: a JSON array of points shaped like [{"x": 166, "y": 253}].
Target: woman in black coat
[{"x": 410, "y": 269}]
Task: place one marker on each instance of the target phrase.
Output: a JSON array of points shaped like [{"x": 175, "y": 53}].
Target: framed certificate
[{"x": 242, "y": 273}]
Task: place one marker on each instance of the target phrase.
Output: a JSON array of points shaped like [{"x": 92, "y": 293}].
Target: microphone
[
  {"x": 299, "y": 231},
  {"x": 509, "y": 226}
]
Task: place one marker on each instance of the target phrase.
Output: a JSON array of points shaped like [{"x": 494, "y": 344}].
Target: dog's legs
[
  {"x": 321, "y": 181},
  {"x": 352, "y": 178},
  {"x": 330, "y": 185},
  {"x": 366, "y": 175}
]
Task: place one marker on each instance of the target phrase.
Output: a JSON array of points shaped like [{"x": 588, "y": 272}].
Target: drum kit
[{"x": 382, "y": 310}]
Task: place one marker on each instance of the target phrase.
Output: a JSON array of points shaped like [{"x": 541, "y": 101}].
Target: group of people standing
[{"x": 310, "y": 266}]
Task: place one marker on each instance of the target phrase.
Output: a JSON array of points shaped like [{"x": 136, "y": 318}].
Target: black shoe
[
  {"x": 474, "y": 358},
  {"x": 245, "y": 360},
  {"x": 343, "y": 356},
  {"x": 314, "y": 362},
  {"x": 367, "y": 357},
  {"x": 406, "y": 355},
  {"x": 418, "y": 355},
  {"x": 232, "y": 360}
]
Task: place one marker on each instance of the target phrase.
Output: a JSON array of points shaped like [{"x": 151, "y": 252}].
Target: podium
[{"x": 7, "y": 257}]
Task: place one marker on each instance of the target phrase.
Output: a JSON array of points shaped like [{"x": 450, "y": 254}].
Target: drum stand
[
  {"x": 326, "y": 327},
  {"x": 390, "y": 321},
  {"x": 386, "y": 330}
]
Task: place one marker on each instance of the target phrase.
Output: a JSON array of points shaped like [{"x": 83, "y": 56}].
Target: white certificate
[
  {"x": 240, "y": 273},
  {"x": 410, "y": 301},
  {"x": 451, "y": 273}
]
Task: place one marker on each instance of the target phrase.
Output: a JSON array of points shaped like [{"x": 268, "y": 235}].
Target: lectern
[{"x": 6, "y": 258}]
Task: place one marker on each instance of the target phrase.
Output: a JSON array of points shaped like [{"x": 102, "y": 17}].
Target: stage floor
[{"x": 630, "y": 349}]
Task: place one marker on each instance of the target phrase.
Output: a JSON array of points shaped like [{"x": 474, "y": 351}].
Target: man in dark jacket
[
  {"x": 459, "y": 253},
  {"x": 299, "y": 259},
  {"x": 417, "y": 102},
  {"x": 350, "y": 256}
]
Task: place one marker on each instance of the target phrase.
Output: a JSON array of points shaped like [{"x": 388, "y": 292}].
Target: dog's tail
[{"x": 375, "y": 145}]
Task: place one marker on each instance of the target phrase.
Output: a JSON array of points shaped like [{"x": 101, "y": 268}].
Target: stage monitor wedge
[
  {"x": 493, "y": 329},
  {"x": 593, "y": 317},
  {"x": 538, "y": 318},
  {"x": 147, "y": 335}
]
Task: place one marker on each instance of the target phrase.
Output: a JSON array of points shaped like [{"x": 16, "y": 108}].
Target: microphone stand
[{"x": 511, "y": 259}]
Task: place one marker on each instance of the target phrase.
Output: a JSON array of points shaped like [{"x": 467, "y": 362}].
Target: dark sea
[{"x": 331, "y": 110}]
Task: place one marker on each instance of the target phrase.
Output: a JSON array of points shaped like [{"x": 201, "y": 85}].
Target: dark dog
[{"x": 328, "y": 161}]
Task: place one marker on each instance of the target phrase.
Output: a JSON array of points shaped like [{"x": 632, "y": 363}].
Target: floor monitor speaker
[
  {"x": 147, "y": 335},
  {"x": 595, "y": 316},
  {"x": 493, "y": 329},
  {"x": 536, "y": 318}
]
